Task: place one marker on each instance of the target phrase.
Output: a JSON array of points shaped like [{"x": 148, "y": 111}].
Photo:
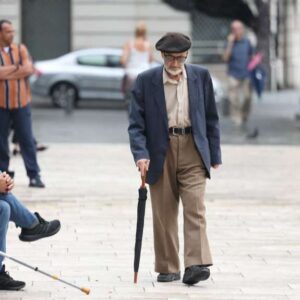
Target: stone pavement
[{"x": 253, "y": 213}]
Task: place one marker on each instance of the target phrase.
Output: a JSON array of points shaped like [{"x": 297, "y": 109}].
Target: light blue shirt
[{"x": 241, "y": 54}]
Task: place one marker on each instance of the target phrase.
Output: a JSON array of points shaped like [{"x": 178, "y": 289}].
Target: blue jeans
[{"x": 11, "y": 209}]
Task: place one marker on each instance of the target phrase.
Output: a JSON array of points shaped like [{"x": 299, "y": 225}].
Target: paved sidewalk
[{"x": 253, "y": 212}]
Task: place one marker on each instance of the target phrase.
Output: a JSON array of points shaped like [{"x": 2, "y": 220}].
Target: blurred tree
[
  {"x": 234, "y": 9},
  {"x": 254, "y": 13},
  {"x": 244, "y": 10}
]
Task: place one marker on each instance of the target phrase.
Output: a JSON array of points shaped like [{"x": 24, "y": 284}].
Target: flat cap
[{"x": 174, "y": 42}]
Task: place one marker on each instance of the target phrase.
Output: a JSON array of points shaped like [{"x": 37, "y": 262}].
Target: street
[{"x": 96, "y": 122}]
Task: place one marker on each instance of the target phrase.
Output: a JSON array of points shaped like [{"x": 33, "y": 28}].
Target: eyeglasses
[{"x": 170, "y": 58}]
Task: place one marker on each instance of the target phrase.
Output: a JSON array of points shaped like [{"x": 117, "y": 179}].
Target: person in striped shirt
[{"x": 15, "y": 67}]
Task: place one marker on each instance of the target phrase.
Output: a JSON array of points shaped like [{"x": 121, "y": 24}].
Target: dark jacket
[{"x": 148, "y": 128}]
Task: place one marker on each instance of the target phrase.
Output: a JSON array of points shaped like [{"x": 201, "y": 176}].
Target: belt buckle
[
  {"x": 173, "y": 131},
  {"x": 183, "y": 130}
]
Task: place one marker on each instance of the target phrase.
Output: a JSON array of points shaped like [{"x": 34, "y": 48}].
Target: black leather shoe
[
  {"x": 36, "y": 182},
  {"x": 194, "y": 274},
  {"x": 41, "y": 230},
  {"x": 41, "y": 147},
  {"x": 168, "y": 277},
  {"x": 9, "y": 284}
]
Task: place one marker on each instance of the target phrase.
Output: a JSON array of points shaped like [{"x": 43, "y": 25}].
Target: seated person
[{"x": 33, "y": 227}]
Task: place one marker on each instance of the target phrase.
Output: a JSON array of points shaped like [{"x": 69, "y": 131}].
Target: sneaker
[
  {"x": 9, "y": 284},
  {"x": 42, "y": 230},
  {"x": 36, "y": 182}
]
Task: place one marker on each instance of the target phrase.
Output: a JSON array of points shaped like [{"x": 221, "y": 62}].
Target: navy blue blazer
[{"x": 148, "y": 128}]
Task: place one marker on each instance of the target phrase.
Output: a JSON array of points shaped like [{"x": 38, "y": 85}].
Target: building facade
[
  {"x": 77, "y": 24},
  {"x": 288, "y": 42}
]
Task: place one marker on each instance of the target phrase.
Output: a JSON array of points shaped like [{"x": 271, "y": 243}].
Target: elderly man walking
[
  {"x": 15, "y": 67},
  {"x": 175, "y": 140}
]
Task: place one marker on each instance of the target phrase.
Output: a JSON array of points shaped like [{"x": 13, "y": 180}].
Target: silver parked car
[{"x": 86, "y": 74}]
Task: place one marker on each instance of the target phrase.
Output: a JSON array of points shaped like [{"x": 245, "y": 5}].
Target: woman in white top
[{"x": 137, "y": 57}]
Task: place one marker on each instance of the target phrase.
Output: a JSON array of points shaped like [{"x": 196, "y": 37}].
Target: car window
[
  {"x": 96, "y": 60},
  {"x": 114, "y": 61}
]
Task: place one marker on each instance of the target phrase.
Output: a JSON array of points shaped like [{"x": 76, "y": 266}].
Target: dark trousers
[
  {"x": 15, "y": 138},
  {"x": 21, "y": 118}
]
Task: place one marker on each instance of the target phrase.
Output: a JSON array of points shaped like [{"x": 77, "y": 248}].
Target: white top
[{"x": 138, "y": 61}]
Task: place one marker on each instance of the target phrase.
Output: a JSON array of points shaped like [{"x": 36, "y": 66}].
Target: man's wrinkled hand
[
  {"x": 9, "y": 182},
  {"x": 143, "y": 166},
  {"x": 2, "y": 184}
]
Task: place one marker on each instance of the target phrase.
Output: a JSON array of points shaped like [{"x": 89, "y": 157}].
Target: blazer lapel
[
  {"x": 192, "y": 89},
  {"x": 159, "y": 94}
]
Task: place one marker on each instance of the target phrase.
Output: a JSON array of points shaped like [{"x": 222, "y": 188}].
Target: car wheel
[{"x": 62, "y": 94}]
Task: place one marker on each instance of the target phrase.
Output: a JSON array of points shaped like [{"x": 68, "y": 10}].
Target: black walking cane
[{"x": 139, "y": 226}]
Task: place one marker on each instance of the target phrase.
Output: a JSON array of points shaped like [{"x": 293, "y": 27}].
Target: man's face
[
  {"x": 7, "y": 34},
  {"x": 173, "y": 62},
  {"x": 237, "y": 29}
]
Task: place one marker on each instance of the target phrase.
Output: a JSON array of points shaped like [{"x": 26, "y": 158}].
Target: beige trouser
[
  {"x": 183, "y": 176},
  {"x": 239, "y": 93}
]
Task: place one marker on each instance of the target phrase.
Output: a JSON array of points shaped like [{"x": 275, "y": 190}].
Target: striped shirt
[{"x": 14, "y": 93}]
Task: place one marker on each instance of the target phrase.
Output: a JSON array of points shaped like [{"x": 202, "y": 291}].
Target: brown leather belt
[{"x": 180, "y": 130}]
